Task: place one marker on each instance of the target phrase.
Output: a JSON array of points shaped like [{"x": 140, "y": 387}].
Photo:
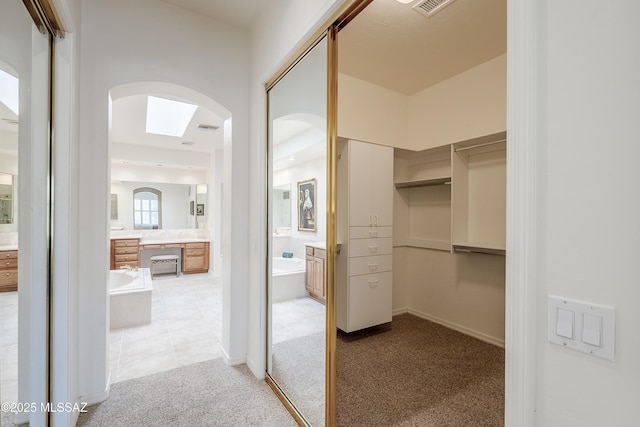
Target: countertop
[{"x": 8, "y": 247}]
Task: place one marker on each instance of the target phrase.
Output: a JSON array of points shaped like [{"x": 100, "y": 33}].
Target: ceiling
[
  {"x": 242, "y": 13},
  {"x": 391, "y": 45}
]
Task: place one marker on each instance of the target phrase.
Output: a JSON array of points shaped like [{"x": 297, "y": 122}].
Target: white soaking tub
[
  {"x": 287, "y": 275},
  {"x": 130, "y": 298}
]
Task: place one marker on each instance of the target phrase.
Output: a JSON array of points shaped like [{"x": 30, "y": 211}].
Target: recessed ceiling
[
  {"x": 129, "y": 127},
  {"x": 391, "y": 45}
]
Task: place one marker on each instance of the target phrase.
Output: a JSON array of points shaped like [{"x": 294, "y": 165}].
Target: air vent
[
  {"x": 429, "y": 8},
  {"x": 207, "y": 127},
  {"x": 188, "y": 142}
]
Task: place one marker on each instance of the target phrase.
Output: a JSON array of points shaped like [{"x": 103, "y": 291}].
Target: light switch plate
[{"x": 593, "y": 329}]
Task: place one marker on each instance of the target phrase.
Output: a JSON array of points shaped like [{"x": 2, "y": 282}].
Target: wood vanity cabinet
[
  {"x": 195, "y": 258},
  {"x": 8, "y": 271},
  {"x": 315, "y": 276},
  {"x": 125, "y": 252}
]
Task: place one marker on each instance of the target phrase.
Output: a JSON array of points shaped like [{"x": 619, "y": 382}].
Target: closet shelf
[
  {"x": 479, "y": 248},
  {"x": 423, "y": 182}
]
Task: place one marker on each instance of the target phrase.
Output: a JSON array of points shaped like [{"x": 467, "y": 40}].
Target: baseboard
[
  {"x": 93, "y": 398},
  {"x": 251, "y": 364},
  {"x": 398, "y": 311},
  {"x": 232, "y": 362},
  {"x": 467, "y": 331}
]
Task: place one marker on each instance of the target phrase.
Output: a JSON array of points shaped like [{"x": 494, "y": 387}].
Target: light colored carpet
[
  {"x": 413, "y": 372},
  {"x": 205, "y": 394},
  {"x": 298, "y": 368}
]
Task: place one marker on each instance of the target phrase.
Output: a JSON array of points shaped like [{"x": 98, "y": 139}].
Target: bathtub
[
  {"x": 287, "y": 278},
  {"x": 129, "y": 298}
]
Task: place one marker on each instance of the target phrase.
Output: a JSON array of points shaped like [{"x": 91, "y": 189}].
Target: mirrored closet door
[
  {"x": 24, "y": 213},
  {"x": 297, "y": 253}
]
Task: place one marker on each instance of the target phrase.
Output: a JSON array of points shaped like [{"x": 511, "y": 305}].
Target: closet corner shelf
[
  {"x": 423, "y": 182},
  {"x": 479, "y": 248}
]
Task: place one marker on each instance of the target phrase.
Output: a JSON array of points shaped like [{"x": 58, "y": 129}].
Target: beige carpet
[
  {"x": 413, "y": 372},
  {"x": 205, "y": 394}
]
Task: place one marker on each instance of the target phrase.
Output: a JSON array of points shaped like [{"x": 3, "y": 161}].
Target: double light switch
[{"x": 582, "y": 326}]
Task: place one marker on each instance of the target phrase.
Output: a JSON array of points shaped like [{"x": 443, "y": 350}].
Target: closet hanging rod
[{"x": 480, "y": 145}]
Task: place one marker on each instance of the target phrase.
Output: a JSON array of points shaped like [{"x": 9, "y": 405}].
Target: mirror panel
[{"x": 297, "y": 254}]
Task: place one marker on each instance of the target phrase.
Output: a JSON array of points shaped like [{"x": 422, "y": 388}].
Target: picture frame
[
  {"x": 191, "y": 206},
  {"x": 200, "y": 209},
  {"x": 307, "y": 205}
]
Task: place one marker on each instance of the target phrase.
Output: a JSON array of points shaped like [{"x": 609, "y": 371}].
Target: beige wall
[{"x": 465, "y": 106}]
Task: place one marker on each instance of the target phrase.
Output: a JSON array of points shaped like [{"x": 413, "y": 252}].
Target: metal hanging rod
[{"x": 480, "y": 145}]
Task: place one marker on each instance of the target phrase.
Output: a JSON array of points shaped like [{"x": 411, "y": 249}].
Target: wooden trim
[{"x": 521, "y": 262}]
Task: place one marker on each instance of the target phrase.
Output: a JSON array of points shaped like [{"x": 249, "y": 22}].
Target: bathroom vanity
[
  {"x": 8, "y": 271},
  {"x": 194, "y": 253}
]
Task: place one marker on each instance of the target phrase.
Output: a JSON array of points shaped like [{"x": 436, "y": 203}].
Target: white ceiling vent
[{"x": 429, "y": 8}]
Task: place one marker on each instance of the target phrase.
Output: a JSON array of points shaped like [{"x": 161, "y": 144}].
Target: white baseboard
[
  {"x": 467, "y": 331},
  {"x": 232, "y": 362},
  {"x": 254, "y": 368},
  {"x": 399, "y": 311},
  {"x": 93, "y": 398}
]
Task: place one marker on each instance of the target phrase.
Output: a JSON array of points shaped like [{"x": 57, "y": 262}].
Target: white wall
[
  {"x": 588, "y": 210},
  {"x": 126, "y": 42}
]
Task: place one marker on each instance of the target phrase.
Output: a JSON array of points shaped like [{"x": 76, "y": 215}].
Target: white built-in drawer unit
[{"x": 365, "y": 226}]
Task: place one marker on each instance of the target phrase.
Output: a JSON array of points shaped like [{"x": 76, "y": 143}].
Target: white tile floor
[{"x": 185, "y": 329}]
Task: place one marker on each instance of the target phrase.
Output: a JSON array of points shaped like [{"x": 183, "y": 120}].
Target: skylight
[
  {"x": 167, "y": 117},
  {"x": 9, "y": 93}
]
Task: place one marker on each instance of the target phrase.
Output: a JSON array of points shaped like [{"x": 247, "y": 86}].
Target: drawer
[
  {"x": 369, "y": 232},
  {"x": 368, "y": 247},
  {"x": 172, "y": 245},
  {"x": 369, "y": 264},
  {"x": 309, "y": 250},
  {"x": 369, "y": 300},
  {"x": 320, "y": 253},
  {"x": 8, "y": 264},
  {"x": 194, "y": 263},
  {"x": 194, "y": 252},
  {"x": 8, "y": 254},
  {"x": 151, "y": 246},
  {"x": 126, "y": 250},
  {"x": 127, "y": 257},
  {"x": 199, "y": 245},
  {"x": 125, "y": 264},
  {"x": 8, "y": 277},
  {"x": 130, "y": 242}
]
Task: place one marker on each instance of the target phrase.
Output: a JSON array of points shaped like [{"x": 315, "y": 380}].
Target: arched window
[{"x": 147, "y": 208}]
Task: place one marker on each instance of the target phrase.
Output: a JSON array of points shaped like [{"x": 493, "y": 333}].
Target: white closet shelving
[{"x": 453, "y": 198}]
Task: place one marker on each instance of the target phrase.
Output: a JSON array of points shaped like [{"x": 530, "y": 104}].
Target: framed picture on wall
[
  {"x": 307, "y": 205},
  {"x": 191, "y": 205},
  {"x": 200, "y": 209}
]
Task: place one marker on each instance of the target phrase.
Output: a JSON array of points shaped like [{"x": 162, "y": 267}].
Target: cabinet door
[
  {"x": 369, "y": 300},
  {"x": 318, "y": 277},
  {"x": 308, "y": 275},
  {"x": 360, "y": 184},
  {"x": 381, "y": 176}
]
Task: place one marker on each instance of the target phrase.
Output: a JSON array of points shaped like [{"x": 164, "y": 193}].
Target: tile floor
[{"x": 185, "y": 329}]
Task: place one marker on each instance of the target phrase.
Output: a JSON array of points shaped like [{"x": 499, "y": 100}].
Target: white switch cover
[
  {"x": 564, "y": 325},
  {"x": 582, "y": 326}
]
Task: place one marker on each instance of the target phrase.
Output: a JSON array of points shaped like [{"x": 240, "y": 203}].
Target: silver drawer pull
[
  {"x": 373, "y": 249},
  {"x": 373, "y": 267},
  {"x": 373, "y": 283}
]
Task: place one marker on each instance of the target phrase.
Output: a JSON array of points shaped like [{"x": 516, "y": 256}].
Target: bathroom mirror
[
  {"x": 282, "y": 210},
  {"x": 175, "y": 210},
  {"x": 6, "y": 198}
]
